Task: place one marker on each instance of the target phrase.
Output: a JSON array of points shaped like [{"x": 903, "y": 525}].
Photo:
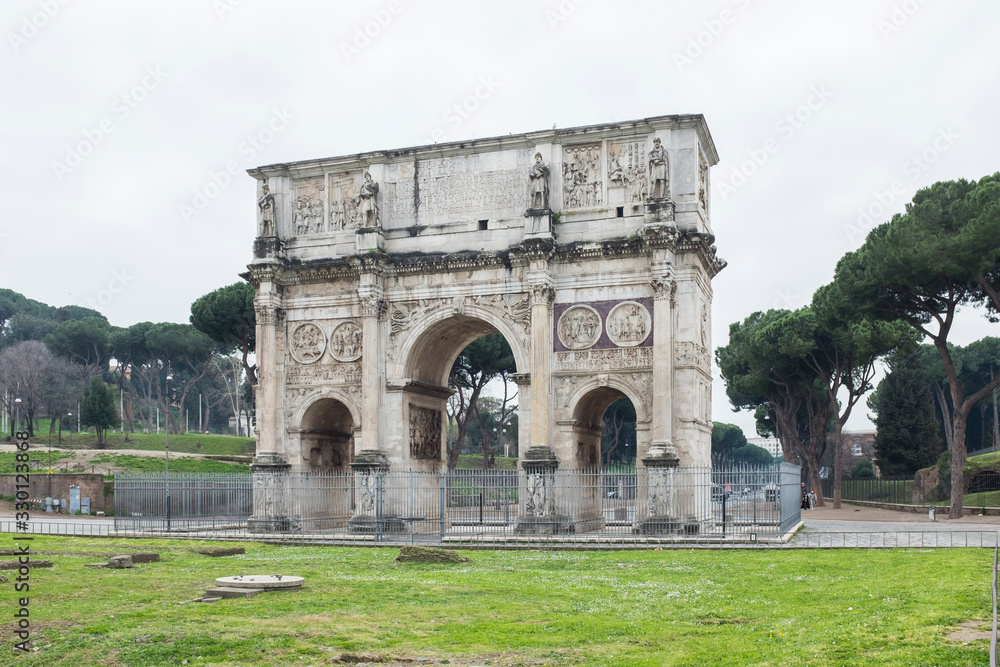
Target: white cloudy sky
[{"x": 182, "y": 85}]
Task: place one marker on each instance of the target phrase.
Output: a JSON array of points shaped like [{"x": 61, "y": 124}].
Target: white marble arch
[{"x": 428, "y": 350}]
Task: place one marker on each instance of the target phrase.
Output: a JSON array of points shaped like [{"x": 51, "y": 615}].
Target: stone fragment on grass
[
  {"x": 16, "y": 564},
  {"x": 429, "y": 555},
  {"x": 120, "y": 562},
  {"x": 219, "y": 553}
]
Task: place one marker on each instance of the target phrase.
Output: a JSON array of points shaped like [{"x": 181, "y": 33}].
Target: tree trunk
[
  {"x": 996, "y": 422},
  {"x": 838, "y": 468},
  {"x": 946, "y": 418},
  {"x": 957, "y": 466}
]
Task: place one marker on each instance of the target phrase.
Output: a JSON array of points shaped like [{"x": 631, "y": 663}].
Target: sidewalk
[{"x": 856, "y": 518}]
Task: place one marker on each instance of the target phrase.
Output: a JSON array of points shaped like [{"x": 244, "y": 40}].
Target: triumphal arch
[{"x": 589, "y": 249}]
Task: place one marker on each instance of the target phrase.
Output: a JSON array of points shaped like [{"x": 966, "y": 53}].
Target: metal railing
[
  {"x": 455, "y": 507},
  {"x": 896, "y": 491}
]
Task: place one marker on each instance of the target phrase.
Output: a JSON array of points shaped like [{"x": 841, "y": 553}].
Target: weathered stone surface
[
  {"x": 261, "y": 581},
  {"x": 590, "y": 250},
  {"x": 15, "y": 564},
  {"x": 429, "y": 555},
  {"x": 219, "y": 553},
  {"x": 118, "y": 562}
]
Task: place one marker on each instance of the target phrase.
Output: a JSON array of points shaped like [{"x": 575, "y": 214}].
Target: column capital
[{"x": 542, "y": 294}]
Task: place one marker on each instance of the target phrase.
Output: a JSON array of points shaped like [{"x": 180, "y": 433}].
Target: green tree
[
  {"x": 906, "y": 432},
  {"x": 726, "y": 439},
  {"x": 482, "y": 360},
  {"x": 86, "y": 342},
  {"x": 227, "y": 317},
  {"x": 766, "y": 370},
  {"x": 98, "y": 409},
  {"x": 863, "y": 470},
  {"x": 846, "y": 355},
  {"x": 618, "y": 436},
  {"x": 922, "y": 267},
  {"x": 752, "y": 455},
  {"x": 183, "y": 351}
]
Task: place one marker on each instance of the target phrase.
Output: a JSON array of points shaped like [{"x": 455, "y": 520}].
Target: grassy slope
[
  {"x": 195, "y": 443},
  {"x": 177, "y": 464},
  {"x": 843, "y": 607}
]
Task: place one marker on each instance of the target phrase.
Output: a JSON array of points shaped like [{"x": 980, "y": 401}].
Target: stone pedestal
[
  {"x": 658, "y": 507},
  {"x": 369, "y": 238},
  {"x": 539, "y": 514},
  {"x": 271, "y": 500},
  {"x": 659, "y": 212},
  {"x": 538, "y": 223},
  {"x": 370, "y": 468},
  {"x": 267, "y": 246}
]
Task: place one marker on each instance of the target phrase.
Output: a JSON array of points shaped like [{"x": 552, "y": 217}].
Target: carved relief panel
[
  {"x": 343, "y": 202},
  {"x": 579, "y": 327},
  {"x": 308, "y": 216},
  {"x": 629, "y": 324},
  {"x": 583, "y": 185},
  {"x": 308, "y": 342},
  {"x": 627, "y": 181},
  {"x": 425, "y": 433},
  {"x": 346, "y": 342}
]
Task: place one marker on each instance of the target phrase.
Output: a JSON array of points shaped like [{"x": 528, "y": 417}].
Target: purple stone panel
[{"x": 603, "y": 308}]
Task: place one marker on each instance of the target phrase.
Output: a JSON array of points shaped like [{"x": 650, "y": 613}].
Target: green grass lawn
[
  {"x": 704, "y": 608},
  {"x": 8, "y": 461},
  {"x": 177, "y": 463},
  {"x": 194, "y": 443}
]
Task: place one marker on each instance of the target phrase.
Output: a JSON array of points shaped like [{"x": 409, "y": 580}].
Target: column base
[
  {"x": 661, "y": 525},
  {"x": 549, "y": 525},
  {"x": 270, "y": 513}
]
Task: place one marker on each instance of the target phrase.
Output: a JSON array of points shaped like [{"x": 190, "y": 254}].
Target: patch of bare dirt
[{"x": 970, "y": 631}]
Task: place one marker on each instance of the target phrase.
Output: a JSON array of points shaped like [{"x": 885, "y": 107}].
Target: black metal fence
[
  {"x": 894, "y": 490},
  {"x": 489, "y": 507}
]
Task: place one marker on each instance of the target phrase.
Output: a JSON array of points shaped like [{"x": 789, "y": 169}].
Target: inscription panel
[{"x": 456, "y": 188}]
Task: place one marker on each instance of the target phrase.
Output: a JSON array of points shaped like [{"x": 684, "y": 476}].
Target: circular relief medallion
[
  {"x": 579, "y": 327},
  {"x": 629, "y": 324},
  {"x": 308, "y": 343},
  {"x": 345, "y": 343}
]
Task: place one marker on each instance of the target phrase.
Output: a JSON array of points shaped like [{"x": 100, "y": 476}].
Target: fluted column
[
  {"x": 664, "y": 287},
  {"x": 542, "y": 296},
  {"x": 372, "y": 308}
]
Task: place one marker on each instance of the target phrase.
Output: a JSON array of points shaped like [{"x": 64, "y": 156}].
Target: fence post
[{"x": 443, "y": 502}]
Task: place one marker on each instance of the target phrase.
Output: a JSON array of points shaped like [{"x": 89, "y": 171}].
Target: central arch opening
[
  {"x": 459, "y": 392},
  {"x": 482, "y": 411}
]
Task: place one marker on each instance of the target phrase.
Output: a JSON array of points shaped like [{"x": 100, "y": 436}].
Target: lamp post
[
  {"x": 166, "y": 448},
  {"x": 17, "y": 413},
  {"x": 70, "y": 415}
]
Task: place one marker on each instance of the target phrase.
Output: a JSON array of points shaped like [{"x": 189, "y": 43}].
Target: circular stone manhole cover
[{"x": 261, "y": 581}]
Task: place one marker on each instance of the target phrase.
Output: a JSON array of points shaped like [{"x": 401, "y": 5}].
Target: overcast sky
[{"x": 116, "y": 115}]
